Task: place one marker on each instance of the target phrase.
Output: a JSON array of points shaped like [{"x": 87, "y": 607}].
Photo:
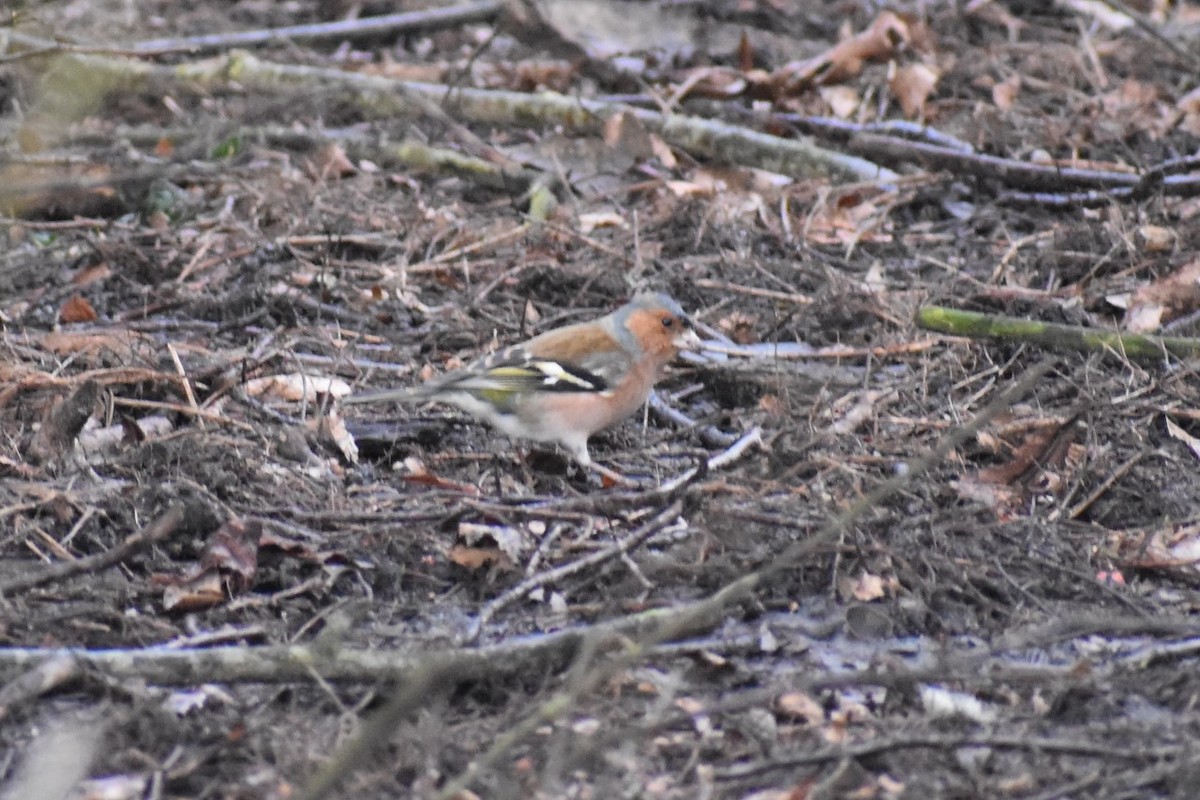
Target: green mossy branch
[{"x": 975, "y": 325}]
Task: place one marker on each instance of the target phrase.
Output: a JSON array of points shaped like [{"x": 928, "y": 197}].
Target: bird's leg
[{"x": 578, "y": 451}]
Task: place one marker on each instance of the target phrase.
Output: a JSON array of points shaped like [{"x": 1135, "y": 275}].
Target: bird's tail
[{"x": 406, "y": 395}]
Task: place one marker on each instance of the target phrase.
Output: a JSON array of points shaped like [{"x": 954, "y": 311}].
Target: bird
[{"x": 566, "y": 384}]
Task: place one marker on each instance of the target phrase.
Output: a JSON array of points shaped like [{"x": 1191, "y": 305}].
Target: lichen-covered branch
[
  {"x": 975, "y": 325},
  {"x": 78, "y": 82}
]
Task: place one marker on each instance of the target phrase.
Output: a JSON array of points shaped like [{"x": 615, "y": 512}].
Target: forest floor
[{"x": 860, "y": 558}]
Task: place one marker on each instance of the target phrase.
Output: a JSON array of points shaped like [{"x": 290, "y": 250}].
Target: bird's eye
[{"x": 668, "y": 322}]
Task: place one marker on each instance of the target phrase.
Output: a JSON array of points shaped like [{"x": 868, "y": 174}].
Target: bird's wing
[{"x": 516, "y": 370}]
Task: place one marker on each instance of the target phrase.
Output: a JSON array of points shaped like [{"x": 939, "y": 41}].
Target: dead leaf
[
  {"x": 93, "y": 274},
  {"x": 880, "y": 42},
  {"x": 602, "y": 29},
  {"x": 1004, "y": 93},
  {"x": 419, "y": 474},
  {"x": 77, "y": 309},
  {"x": 745, "y": 53},
  {"x": 1156, "y": 304},
  {"x": 739, "y": 327},
  {"x": 865, "y": 407},
  {"x": 203, "y": 591},
  {"x": 475, "y": 558},
  {"x": 713, "y": 82},
  {"x": 507, "y": 539},
  {"x": 601, "y": 219},
  {"x": 1036, "y": 465},
  {"x": 626, "y": 133},
  {"x": 1189, "y": 104},
  {"x": 296, "y": 387},
  {"x": 330, "y": 161},
  {"x": 92, "y": 343},
  {"x": 801, "y": 707},
  {"x": 1103, "y": 13},
  {"x": 302, "y": 551},
  {"x": 232, "y": 550},
  {"x": 227, "y": 568},
  {"x": 848, "y": 217},
  {"x": 843, "y": 101},
  {"x": 1002, "y": 500},
  {"x": 1156, "y": 238},
  {"x": 406, "y": 71},
  {"x": 912, "y": 84},
  {"x": 1173, "y": 549},
  {"x": 663, "y": 152},
  {"x": 1179, "y": 434},
  {"x": 332, "y": 430},
  {"x": 865, "y": 588}
]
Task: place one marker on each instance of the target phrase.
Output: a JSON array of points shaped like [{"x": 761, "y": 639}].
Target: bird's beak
[{"x": 688, "y": 340}]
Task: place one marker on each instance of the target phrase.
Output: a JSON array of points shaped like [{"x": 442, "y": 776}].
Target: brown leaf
[
  {"x": 802, "y": 707},
  {"x": 232, "y": 551},
  {"x": 1155, "y": 304},
  {"x": 296, "y": 387},
  {"x": 1156, "y": 238},
  {"x": 745, "y": 53},
  {"x": 912, "y": 84},
  {"x": 880, "y": 42},
  {"x": 203, "y": 591},
  {"x": 331, "y": 161},
  {"x": 1174, "y": 549},
  {"x": 419, "y": 474},
  {"x": 739, "y": 327},
  {"x": 718, "y": 82},
  {"x": 1004, "y": 93},
  {"x": 299, "y": 550},
  {"x": 1024, "y": 458},
  {"x": 332, "y": 431},
  {"x": 228, "y": 567},
  {"x": 93, "y": 274},
  {"x": 89, "y": 344},
  {"x": 77, "y": 309},
  {"x": 626, "y": 133},
  {"x": 1034, "y": 466},
  {"x": 843, "y": 101},
  {"x": 474, "y": 558},
  {"x": 865, "y": 588}
]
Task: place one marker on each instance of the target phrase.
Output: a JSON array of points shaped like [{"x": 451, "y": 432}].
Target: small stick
[{"x": 615, "y": 550}]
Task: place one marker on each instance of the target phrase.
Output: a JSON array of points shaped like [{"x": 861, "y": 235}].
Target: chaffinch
[{"x": 564, "y": 385}]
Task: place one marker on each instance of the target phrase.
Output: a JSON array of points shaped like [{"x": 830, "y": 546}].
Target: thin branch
[
  {"x": 911, "y": 741},
  {"x": 341, "y": 30},
  {"x": 616, "y": 549}
]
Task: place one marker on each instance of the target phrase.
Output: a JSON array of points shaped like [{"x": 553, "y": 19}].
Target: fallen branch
[
  {"x": 975, "y": 325},
  {"x": 298, "y": 663},
  {"x": 388, "y": 98},
  {"x": 910, "y": 741},
  {"x": 341, "y": 30},
  {"x": 1070, "y": 185}
]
